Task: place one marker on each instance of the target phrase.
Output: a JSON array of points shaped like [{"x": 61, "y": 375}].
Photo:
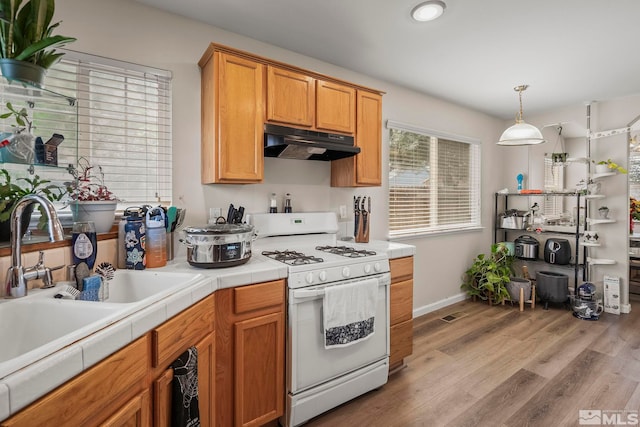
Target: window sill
[
  {"x": 40, "y": 242},
  {"x": 427, "y": 234}
]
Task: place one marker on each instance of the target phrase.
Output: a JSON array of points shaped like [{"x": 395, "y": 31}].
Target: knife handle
[{"x": 365, "y": 227}]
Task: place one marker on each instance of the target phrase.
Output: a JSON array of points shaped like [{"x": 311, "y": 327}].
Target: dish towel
[
  {"x": 349, "y": 312},
  {"x": 184, "y": 401}
]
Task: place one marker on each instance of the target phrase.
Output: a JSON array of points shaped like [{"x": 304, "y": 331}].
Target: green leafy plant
[
  {"x": 21, "y": 116},
  {"x": 12, "y": 191},
  {"x": 488, "y": 276},
  {"x": 611, "y": 165},
  {"x": 26, "y": 32},
  {"x": 89, "y": 183}
]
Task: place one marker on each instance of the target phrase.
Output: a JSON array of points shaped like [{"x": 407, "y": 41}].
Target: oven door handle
[{"x": 306, "y": 293}]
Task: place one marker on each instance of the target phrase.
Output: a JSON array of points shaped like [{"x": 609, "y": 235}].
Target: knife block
[{"x": 362, "y": 234}]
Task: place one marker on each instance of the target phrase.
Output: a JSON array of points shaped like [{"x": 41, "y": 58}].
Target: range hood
[{"x": 291, "y": 143}]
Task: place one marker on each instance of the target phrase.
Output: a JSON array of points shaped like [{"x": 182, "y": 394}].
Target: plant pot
[
  {"x": 5, "y": 226},
  {"x": 603, "y": 169},
  {"x": 604, "y": 213},
  {"x": 102, "y": 213},
  {"x": 513, "y": 287},
  {"x": 22, "y": 71}
]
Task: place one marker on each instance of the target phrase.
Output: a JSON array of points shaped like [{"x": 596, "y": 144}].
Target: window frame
[{"x": 475, "y": 191}]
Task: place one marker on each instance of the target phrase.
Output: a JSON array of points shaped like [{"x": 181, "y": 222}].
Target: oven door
[{"x": 310, "y": 363}]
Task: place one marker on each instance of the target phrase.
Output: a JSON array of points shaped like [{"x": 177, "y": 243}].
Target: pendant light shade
[{"x": 521, "y": 133}]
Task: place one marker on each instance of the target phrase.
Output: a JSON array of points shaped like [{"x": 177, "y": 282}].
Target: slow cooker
[
  {"x": 218, "y": 245},
  {"x": 526, "y": 247}
]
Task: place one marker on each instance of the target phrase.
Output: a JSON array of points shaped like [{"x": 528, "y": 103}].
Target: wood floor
[{"x": 497, "y": 366}]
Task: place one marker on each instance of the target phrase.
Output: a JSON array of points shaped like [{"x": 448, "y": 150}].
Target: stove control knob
[
  {"x": 309, "y": 278},
  {"x": 346, "y": 272},
  {"x": 377, "y": 266},
  {"x": 367, "y": 268},
  {"x": 322, "y": 276}
]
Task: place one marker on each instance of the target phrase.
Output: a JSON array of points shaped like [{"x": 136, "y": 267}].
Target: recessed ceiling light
[{"x": 428, "y": 10}]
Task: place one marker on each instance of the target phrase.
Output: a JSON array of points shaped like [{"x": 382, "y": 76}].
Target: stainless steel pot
[
  {"x": 218, "y": 245},
  {"x": 526, "y": 247},
  {"x": 513, "y": 220}
]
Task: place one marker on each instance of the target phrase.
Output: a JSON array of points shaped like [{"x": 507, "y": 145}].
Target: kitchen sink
[
  {"x": 130, "y": 286},
  {"x": 38, "y": 325},
  {"x": 35, "y": 322}
]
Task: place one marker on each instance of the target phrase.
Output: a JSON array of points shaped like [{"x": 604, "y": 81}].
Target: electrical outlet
[{"x": 343, "y": 211}]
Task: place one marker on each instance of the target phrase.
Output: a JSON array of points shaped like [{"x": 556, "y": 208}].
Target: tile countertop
[{"x": 27, "y": 383}]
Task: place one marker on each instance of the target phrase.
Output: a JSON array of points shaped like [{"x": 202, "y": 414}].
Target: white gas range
[{"x": 321, "y": 378}]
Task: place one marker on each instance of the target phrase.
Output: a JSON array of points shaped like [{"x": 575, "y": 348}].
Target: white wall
[{"x": 125, "y": 30}]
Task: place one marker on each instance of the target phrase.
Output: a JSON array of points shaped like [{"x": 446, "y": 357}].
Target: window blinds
[
  {"x": 434, "y": 181},
  {"x": 124, "y": 123}
]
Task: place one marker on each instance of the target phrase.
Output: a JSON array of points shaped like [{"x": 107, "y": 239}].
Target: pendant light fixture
[{"x": 521, "y": 133}]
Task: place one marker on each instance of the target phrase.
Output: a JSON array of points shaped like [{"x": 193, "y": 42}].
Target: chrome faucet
[{"x": 18, "y": 275}]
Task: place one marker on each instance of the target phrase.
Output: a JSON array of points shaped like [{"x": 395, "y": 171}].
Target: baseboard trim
[{"x": 439, "y": 304}]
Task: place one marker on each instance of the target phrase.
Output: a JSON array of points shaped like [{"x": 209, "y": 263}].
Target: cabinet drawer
[
  {"x": 401, "y": 341},
  {"x": 262, "y": 295},
  {"x": 401, "y": 305},
  {"x": 177, "y": 334},
  {"x": 401, "y": 269},
  {"x": 89, "y": 397}
]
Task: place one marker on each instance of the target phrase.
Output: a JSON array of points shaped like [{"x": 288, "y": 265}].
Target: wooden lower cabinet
[
  {"x": 401, "y": 311},
  {"x": 135, "y": 413},
  {"x": 132, "y": 387},
  {"x": 250, "y": 327},
  {"x": 162, "y": 387},
  {"x": 111, "y": 392}
]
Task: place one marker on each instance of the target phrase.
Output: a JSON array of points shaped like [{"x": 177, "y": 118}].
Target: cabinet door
[
  {"x": 250, "y": 354},
  {"x": 232, "y": 120},
  {"x": 335, "y": 107},
  {"x": 135, "y": 413},
  {"x": 401, "y": 302},
  {"x": 259, "y": 369},
  {"x": 94, "y": 395},
  {"x": 206, "y": 383},
  {"x": 290, "y": 97},
  {"x": 364, "y": 169}
]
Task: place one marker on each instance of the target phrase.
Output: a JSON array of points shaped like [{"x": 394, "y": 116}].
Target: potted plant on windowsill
[
  {"x": 12, "y": 191},
  {"x": 27, "y": 43},
  {"x": 90, "y": 199}
]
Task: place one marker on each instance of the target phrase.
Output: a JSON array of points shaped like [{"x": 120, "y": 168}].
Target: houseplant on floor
[
  {"x": 27, "y": 43},
  {"x": 488, "y": 276},
  {"x": 91, "y": 200},
  {"x": 12, "y": 191}
]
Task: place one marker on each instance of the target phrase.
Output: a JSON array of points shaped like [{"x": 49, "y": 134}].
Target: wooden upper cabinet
[
  {"x": 232, "y": 119},
  {"x": 290, "y": 97},
  {"x": 335, "y": 107},
  {"x": 364, "y": 169}
]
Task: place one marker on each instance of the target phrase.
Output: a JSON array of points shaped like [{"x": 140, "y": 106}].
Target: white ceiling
[{"x": 568, "y": 51}]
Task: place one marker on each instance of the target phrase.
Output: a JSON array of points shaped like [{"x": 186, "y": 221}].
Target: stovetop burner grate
[
  {"x": 346, "y": 251},
  {"x": 292, "y": 257}
]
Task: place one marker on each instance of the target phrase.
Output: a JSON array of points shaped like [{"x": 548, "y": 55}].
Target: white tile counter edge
[{"x": 19, "y": 389}]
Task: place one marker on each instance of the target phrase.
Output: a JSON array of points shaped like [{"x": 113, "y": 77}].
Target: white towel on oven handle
[{"x": 349, "y": 312}]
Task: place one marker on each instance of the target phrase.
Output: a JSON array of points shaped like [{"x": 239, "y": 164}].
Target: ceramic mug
[{"x": 591, "y": 236}]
